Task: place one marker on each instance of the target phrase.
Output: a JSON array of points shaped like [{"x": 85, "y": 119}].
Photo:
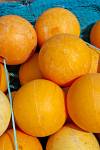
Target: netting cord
[
  {"x": 92, "y": 46},
  {"x": 10, "y": 98}
]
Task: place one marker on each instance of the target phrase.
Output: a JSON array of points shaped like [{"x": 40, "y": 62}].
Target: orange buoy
[
  {"x": 5, "y": 112},
  {"x": 39, "y": 108},
  {"x": 83, "y": 102},
  {"x": 3, "y": 82},
  {"x": 64, "y": 58},
  {"x": 56, "y": 21},
  {"x": 95, "y": 34},
  {"x": 30, "y": 70},
  {"x": 72, "y": 138},
  {"x": 17, "y": 39},
  {"x": 25, "y": 142},
  {"x": 94, "y": 61}
]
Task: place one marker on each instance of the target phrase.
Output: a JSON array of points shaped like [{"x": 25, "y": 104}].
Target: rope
[
  {"x": 92, "y": 46},
  {"x": 12, "y": 113}
]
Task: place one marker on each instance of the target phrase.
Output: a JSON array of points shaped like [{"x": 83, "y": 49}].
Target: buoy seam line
[{"x": 10, "y": 98}]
